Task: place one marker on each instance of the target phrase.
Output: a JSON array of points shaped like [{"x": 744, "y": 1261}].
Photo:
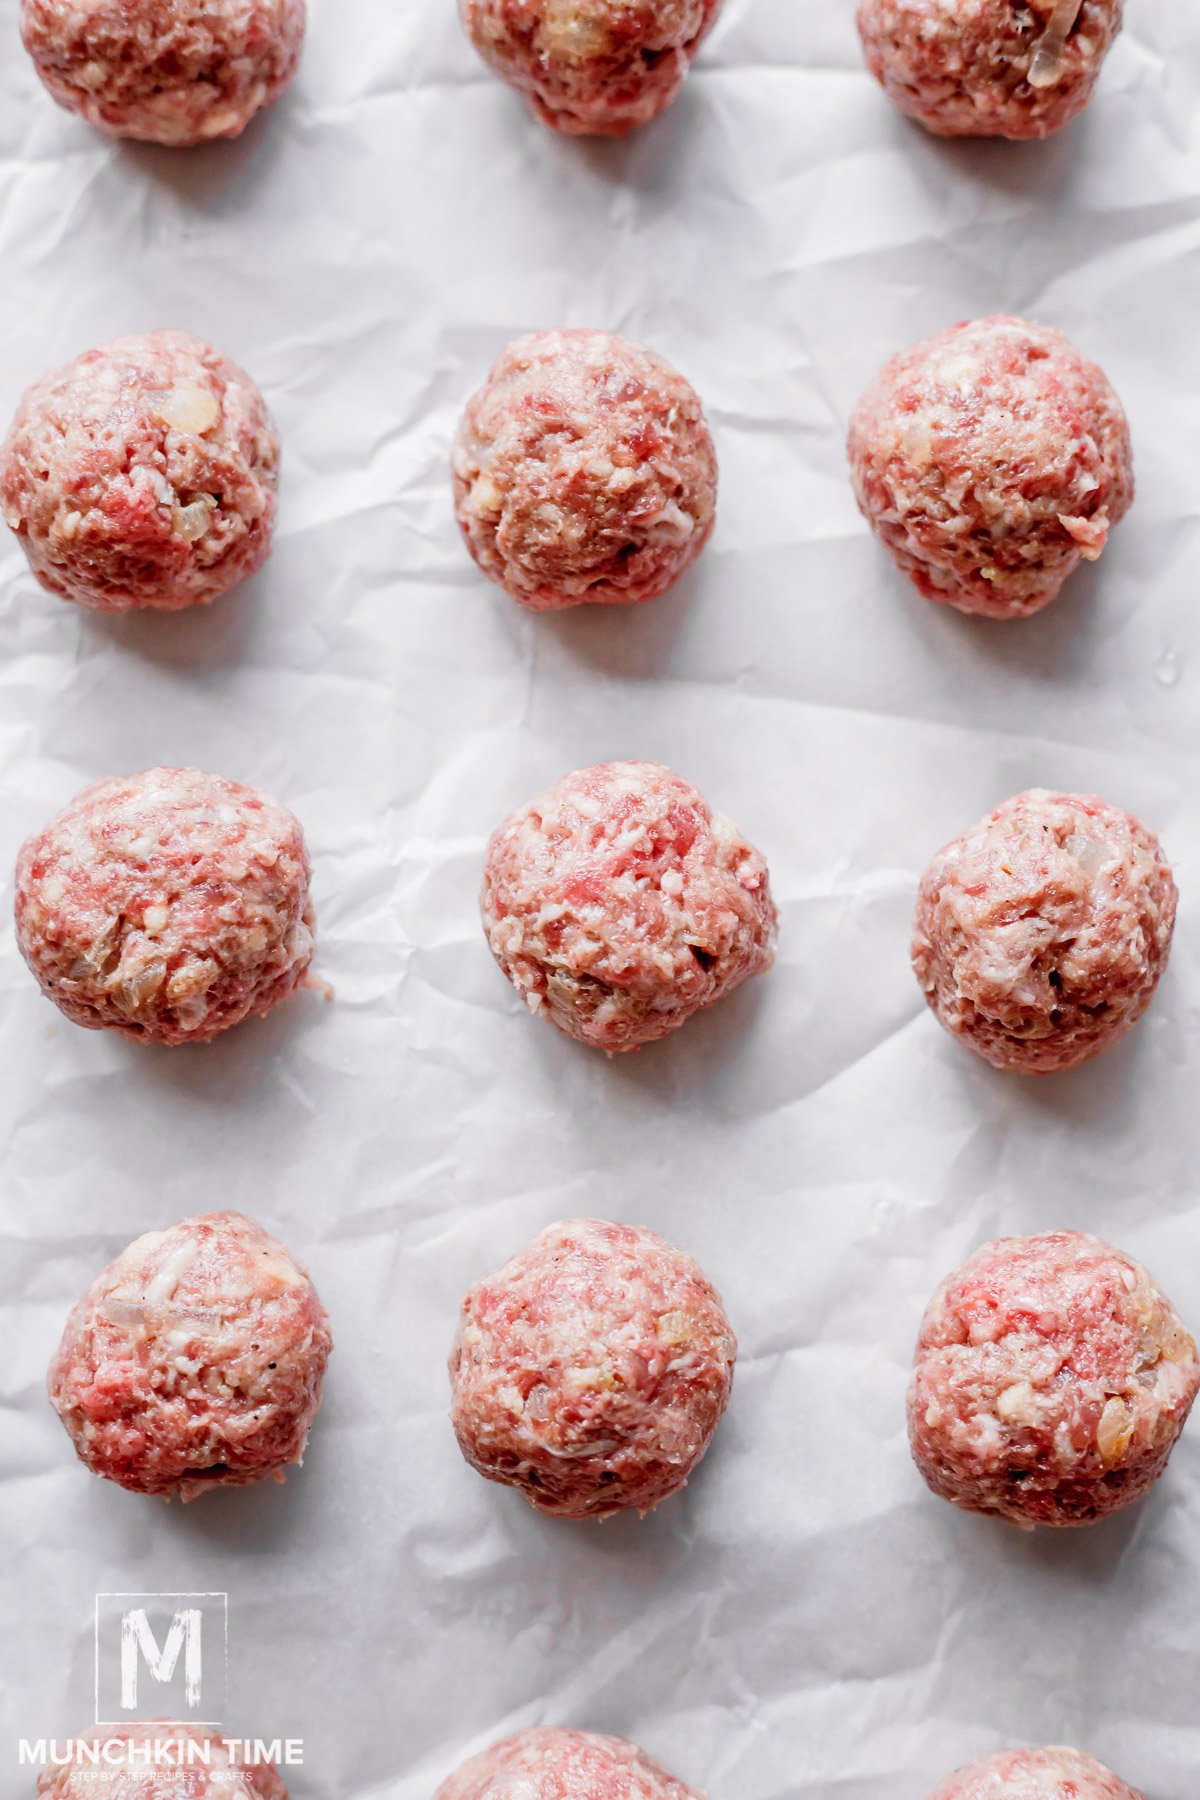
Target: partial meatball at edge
[
  {"x": 173, "y": 72},
  {"x": 1045, "y": 1773},
  {"x": 991, "y": 70},
  {"x": 591, "y": 67},
  {"x": 556, "y": 1763}
]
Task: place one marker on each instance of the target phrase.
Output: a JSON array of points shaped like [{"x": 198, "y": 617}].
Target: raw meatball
[
  {"x": 990, "y": 69},
  {"x": 989, "y": 460},
  {"x": 1054, "y": 1773},
  {"x": 618, "y": 905},
  {"x": 551, "y": 1763},
  {"x": 1050, "y": 1382},
  {"x": 170, "y": 71},
  {"x": 200, "y": 1767},
  {"x": 1041, "y": 933},
  {"x": 166, "y": 906},
  {"x": 590, "y": 1370},
  {"x": 591, "y": 67},
  {"x": 143, "y": 474},
  {"x": 194, "y": 1361},
  {"x": 584, "y": 471}
]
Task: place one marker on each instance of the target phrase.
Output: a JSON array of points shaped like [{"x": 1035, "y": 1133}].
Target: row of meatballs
[
  {"x": 1051, "y": 1377},
  {"x": 990, "y": 460},
  {"x": 1051, "y": 1380},
  {"x": 170, "y": 905},
  {"x": 544, "y": 1763},
  {"x": 184, "y": 72}
]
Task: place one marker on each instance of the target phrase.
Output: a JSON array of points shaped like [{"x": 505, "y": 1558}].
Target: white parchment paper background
[{"x": 806, "y": 1620}]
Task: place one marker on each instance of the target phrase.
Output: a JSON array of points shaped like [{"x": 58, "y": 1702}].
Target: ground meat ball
[
  {"x": 591, "y": 1369},
  {"x": 199, "y": 1767},
  {"x": 591, "y": 67},
  {"x": 1041, "y": 933},
  {"x": 170, "y": 71},
  {"x": 143, "y": 474},
  {"x": 989, "y": 69},
  {"x": 166, "y": 906},
  {"x": 990, "y": 460},
  {"x": 584, "y": 471},
  {"x": 194, "y": 1361},
  {"x": 1055, "y": 1773},
  {"x": 551, "y": 1763},
  {"x": 618, "y": 905},
  {"x": 1050, "y": 1382}
]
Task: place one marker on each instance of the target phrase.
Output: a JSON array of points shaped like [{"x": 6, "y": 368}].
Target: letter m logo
[
  {"x": 139, "y": 1643},
  {"x": 161, "y": 1655}
]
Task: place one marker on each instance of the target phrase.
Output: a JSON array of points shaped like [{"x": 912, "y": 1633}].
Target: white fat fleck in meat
[
  {"x": 1049, "y": 64},
  {"x": 168, "y": 1268}
]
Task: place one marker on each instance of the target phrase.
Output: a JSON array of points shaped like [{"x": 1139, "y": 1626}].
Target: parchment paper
[{"x": 806, "y": 1620}]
